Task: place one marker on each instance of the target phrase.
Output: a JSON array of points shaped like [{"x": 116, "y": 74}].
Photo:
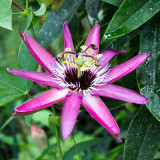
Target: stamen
[
  {"x": 61, "y": 55},
  {"x": 97, "y": 63},
  {"x": 93, "y": 46}
]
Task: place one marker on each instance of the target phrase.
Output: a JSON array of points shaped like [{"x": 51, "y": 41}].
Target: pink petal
[
  {"x": 93, "y": 38},
  {"x": 127, "y": 67},
  {"x": 98, "y": 110},
  {"x": 39, "y": 77},
  {"x": 67, "y": 38},
  {"x": 40, "y": 102},
  {"x": 108, "y": 55},
  {"x": 39, "y": 53},
  {"x": 70, "y": 112},
  {"x": 121, "y": 93}
]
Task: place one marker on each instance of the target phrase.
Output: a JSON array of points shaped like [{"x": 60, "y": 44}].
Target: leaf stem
[
  {"x": 76, "y": 147},
  {"x": 57, "y": 137}
]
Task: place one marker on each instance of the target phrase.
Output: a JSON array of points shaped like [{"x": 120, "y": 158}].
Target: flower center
[
  {"x": 79, "y": 84},
  {"x": 83, "y": 60}
]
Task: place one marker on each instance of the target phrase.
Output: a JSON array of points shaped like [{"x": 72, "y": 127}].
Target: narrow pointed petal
[
  {"x": 70, "y": 112},
  {"x": 127, "y": 67},
  {"x": 39, "y": 53},
  {"x": 121, "y": 93},
  {"x": 40, "y": 102},
  {"x": 39, "y": 77},
  {"x": 93, "y": 38},
  {"x": 108, "y": 55},
  {"x": 67, "y": 38},
  {"x": 98, "y": 110}
]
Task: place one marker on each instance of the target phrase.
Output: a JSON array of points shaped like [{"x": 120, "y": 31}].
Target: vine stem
[
  {"x": 57, "y": 137},
  {"x": 76, "y": 147}
]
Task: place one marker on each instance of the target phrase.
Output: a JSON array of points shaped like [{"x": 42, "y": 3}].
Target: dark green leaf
[
  {"x": 26, "y": 61},
  {"x": 149, "y": 73},
  {"x": 41, "y": 11},
  {"x": 11, "y": 87},
  {"x": 143, "y": 138},
  {"x": 53, "y": 25},
  {"x": 130, "y": 15},
  {"x": 92, "y": 8},
  {"x": 114, "y": 2},
  {"x": 6, "y": 14},
  {"x": 83, "y": 146}
]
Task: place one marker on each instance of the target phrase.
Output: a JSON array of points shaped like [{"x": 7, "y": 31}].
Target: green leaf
[
  {"x": 29, "y": 14},
  {"x": 53, "y": 25},
  {"x": 92, "y": 8},
  {"x": 148, "y": 74},
  {"x": 49, "y": 149},
  {"x": 130, "y": 15},
  {"x": 26, "y": 60},
  {"x": 6, "y": 14},
  {"x": 114, "y": 2},
  {"x": 143, "y": 138},
  {"x": 28, "y": 119},
  {"x": 37, "y": 117},
  {"x": 41, "y": 11},
  {"x": 83, "y": 146},
  {"x": 54, "y": 121},
  {"x": 11, "y": 87}
]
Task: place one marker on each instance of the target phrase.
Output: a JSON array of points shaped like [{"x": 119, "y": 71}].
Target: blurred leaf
[
  {"x": 54, "y": 121},
  {"x": 157, "y": 156},
  {"x": 6, "y": 14},
  {"x": 6, "y": 123},
  {"x": 11, "y": 87},
  {"x": 114, "y": 2},
  {"x": 148, "y": 74},
  {"x": 83, "y": 146},
  {"x": 37, "y": 117},
  {"x": 28, "y": 119},
  {"x": 46, "y": 151},
  {"x": 6, "y": 139},
  {"x": 57, "y": 4},
  {"x": 29, "y": 14},
  {"x": 26, "y": 61},
  {"x": 41, "y": 11},
  {"x": 92, "y": 8},
  {"x": 143, "y": 138},
  {"x": 53, "y": 25},
  {"x": 130, "y": 15}
]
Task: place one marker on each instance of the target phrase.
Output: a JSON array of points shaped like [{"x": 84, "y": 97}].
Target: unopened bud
[
  {"x": 97, "y": 63},
  {"x": 39, "y": 137},
  {"x": 94, "y": 47}
]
